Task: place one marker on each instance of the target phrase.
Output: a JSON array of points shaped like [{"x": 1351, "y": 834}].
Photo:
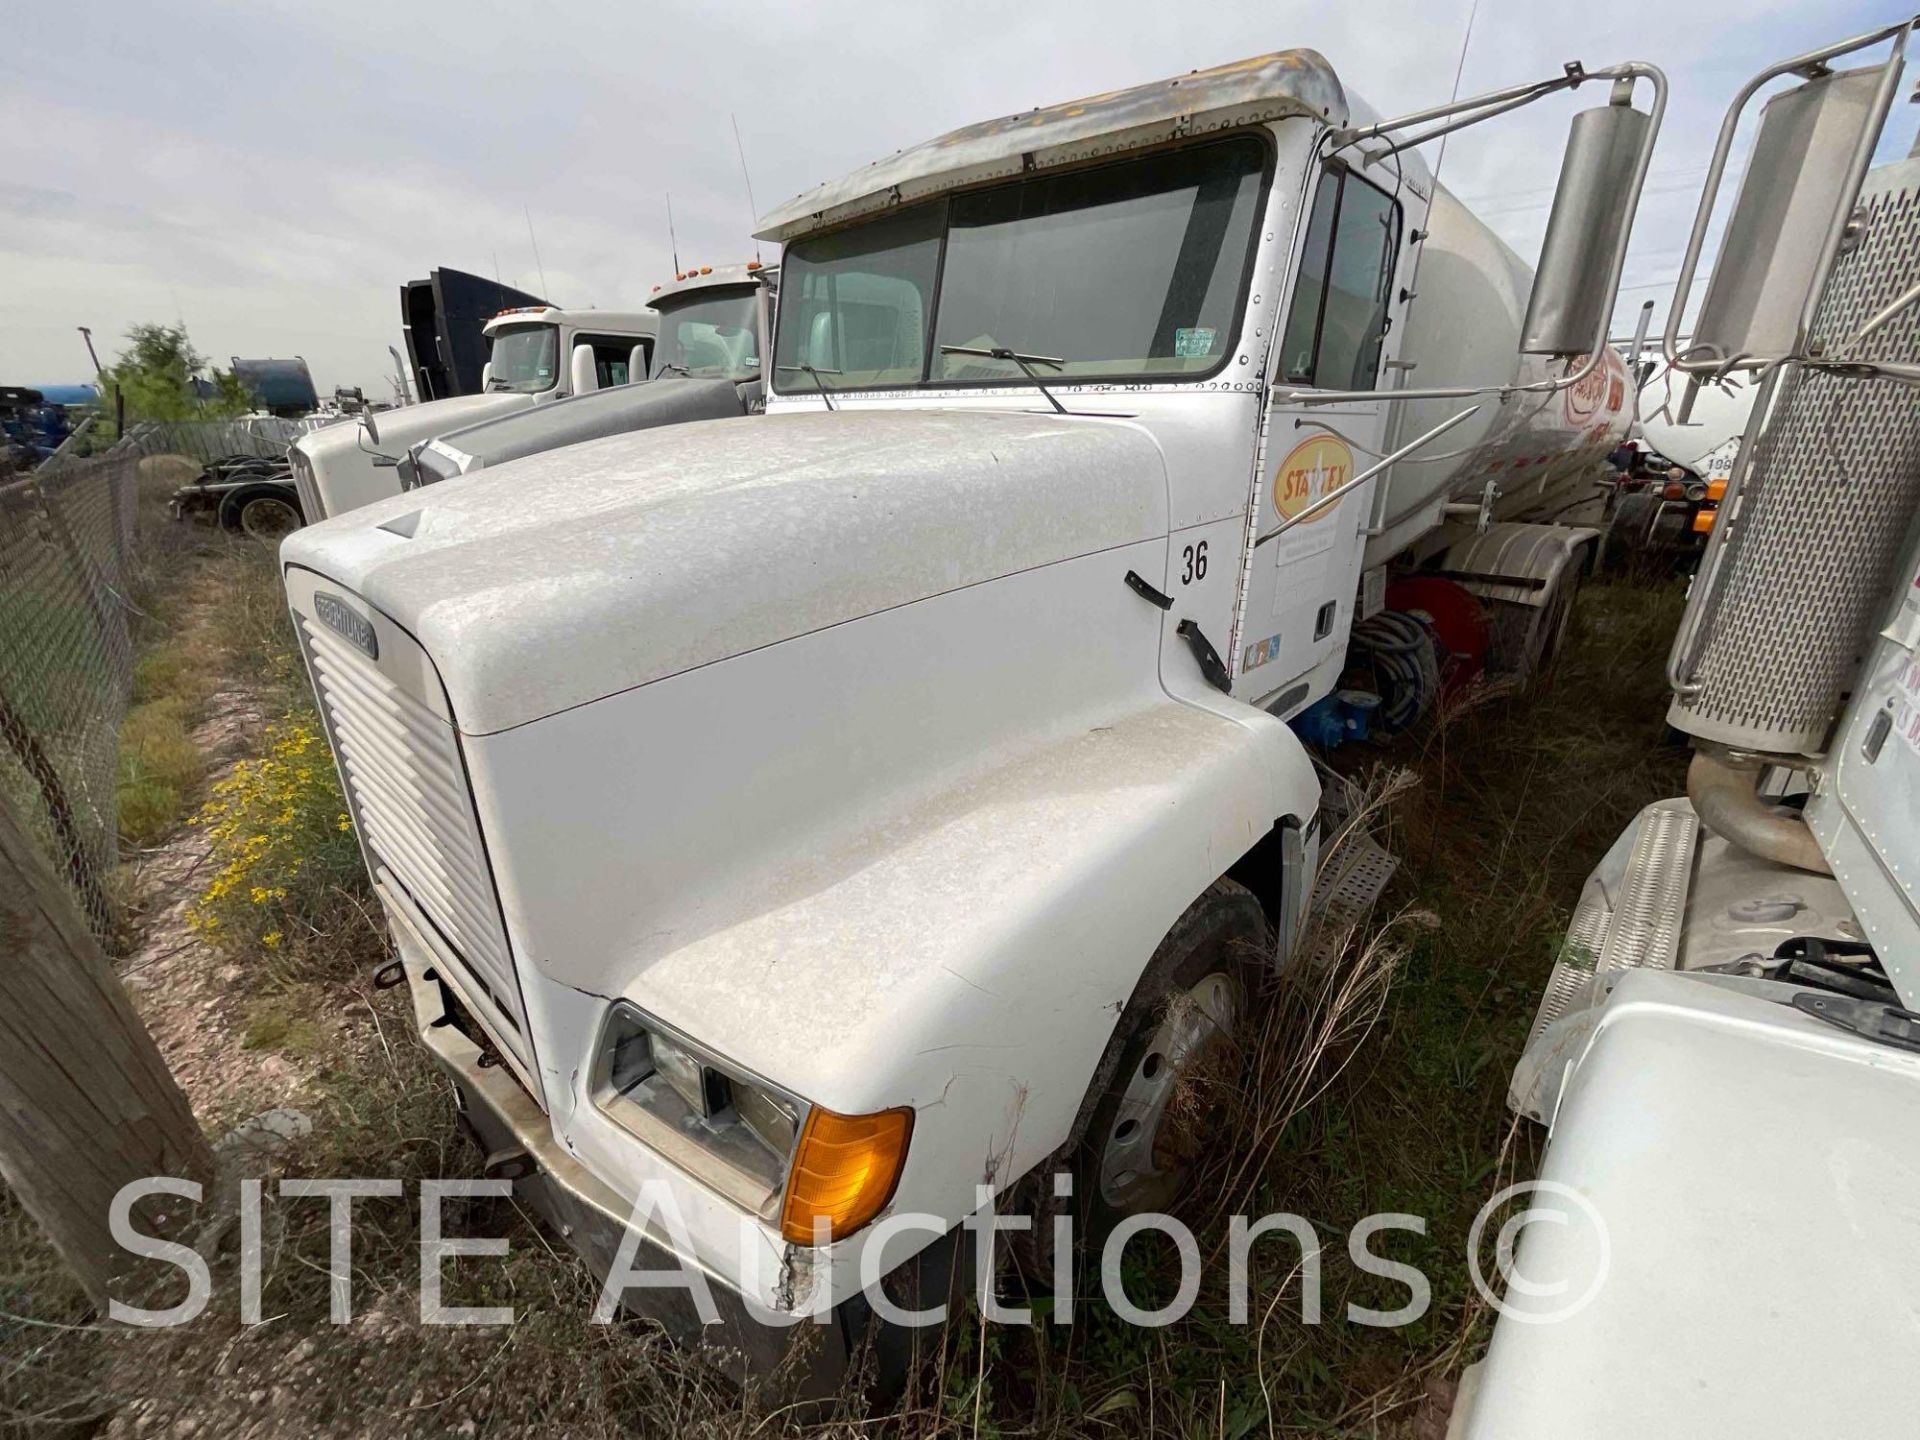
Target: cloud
[{"x": 273, "y": 172}]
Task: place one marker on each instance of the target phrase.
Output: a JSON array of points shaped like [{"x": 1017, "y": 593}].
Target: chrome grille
[
  {"x": 1831, "y": 486},
  {"x": 309, "y": 493},
  {"x": 410, "y": 797}
]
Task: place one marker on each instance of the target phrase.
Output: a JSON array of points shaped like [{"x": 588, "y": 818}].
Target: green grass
[
  {"x": 286, "y": 1018},
  {"x": 160, "y": 769}
]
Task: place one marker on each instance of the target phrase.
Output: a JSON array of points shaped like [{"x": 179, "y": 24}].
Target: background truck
[
  {"x": 714, "y": 323},
  {"x": 1673, "y": 474},
  {"x": 1727, "y": 1055},
  {"x": 827, "y": 816},
  {"x": 536, "y": 354},
  {"x": 440, "y": 318}
]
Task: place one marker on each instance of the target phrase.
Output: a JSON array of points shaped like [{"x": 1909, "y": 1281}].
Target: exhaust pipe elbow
[{"x": 1725, "y": 795}]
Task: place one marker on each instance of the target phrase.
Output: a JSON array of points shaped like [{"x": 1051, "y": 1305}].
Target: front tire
[{"x": 1175, "y": 1049}]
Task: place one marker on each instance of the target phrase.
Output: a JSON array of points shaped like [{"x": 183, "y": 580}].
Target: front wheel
[{"x": 1176, "y": 1049}]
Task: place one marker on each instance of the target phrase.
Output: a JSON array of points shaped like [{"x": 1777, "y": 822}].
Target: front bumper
[{"x": 593, "y": 1219}]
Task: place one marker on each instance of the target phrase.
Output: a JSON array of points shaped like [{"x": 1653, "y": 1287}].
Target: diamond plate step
[
  {"x": 1351, "y": 882},
  {"x": 1637, "y": 929}
]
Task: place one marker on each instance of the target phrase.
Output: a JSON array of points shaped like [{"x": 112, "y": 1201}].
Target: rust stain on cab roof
[{"x": 1250, "y": 91}]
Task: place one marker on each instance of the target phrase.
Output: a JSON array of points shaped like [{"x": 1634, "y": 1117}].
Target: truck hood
[
  {"x": 670, "y": 400},
  {"x": 413, "y": 423},
  {"x": 554, "y": 580},
  {"x": 339, "y": 476}
]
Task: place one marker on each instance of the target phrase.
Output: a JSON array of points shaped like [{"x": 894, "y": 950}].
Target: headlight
[
  {"x": 790, "y": 1163},
  {"x": 729, "y": 1128}
]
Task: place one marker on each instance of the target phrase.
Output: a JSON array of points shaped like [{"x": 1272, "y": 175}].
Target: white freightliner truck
[
  {"x": 537, "y": 354},
  {"x": 707, "y": 361},
  {"x": 1727, "y": 1056},
  {"x": 821, "y": 816}
]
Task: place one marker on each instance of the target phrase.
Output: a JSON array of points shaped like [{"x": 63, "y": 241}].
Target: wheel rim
[
  {"x": 268, "y": 518},
  {"x": 1155, "y": 1133}
]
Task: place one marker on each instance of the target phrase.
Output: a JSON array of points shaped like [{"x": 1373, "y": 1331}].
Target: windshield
[
  {"x": 524, "y": 358},
  {"x": 1131, "y": 270},
  {"x": 711, "y": 334}
]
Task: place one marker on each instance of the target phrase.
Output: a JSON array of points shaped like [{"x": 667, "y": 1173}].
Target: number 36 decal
[{"x": 1193, "y": 563}]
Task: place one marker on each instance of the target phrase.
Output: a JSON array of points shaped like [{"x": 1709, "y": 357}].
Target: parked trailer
[
  {"x": 537, "y": 354},
  {"x": 1727, "y": 1056},
  {"x": 1674, "y": 473},
  {"x": 714, "y": 324},
  {"x": 819, "y": 817}
]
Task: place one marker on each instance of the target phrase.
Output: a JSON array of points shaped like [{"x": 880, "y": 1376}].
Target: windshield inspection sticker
[{"x": 1193, "y": 340}]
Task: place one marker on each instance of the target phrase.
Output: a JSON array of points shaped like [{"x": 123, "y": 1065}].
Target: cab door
[{"x": 1341, "y": 332}]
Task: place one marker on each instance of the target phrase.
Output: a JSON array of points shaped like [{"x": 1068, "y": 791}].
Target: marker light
[
  {"x": 1703, "y": 521},
  {"x": 1716, "y": 489},
  {"x": 844, "y": 1171}
]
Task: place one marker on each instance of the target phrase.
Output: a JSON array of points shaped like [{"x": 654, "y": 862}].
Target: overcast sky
[{"x": 271, "y": 172}]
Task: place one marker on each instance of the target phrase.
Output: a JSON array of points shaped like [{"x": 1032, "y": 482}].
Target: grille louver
[{"x": 409, "y": 790}]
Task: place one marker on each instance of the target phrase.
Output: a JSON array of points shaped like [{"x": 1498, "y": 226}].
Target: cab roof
[
  {"x": 710, "y": 277},
  {"x": 1245, "y": 92},
  {"x": 617, "y": 322}
]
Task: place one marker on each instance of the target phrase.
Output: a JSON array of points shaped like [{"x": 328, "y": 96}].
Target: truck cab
[
  {"x": 706, "y": 366},
  {"x": 1195, "y": 290},
  {"x": 537, "y": 354},
  {"x": 819, "y": 819}
]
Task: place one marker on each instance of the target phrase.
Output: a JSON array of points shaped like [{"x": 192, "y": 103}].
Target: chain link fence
[
  {"x": 67, "y": 535},
  {"x": 66, "y": 657}
]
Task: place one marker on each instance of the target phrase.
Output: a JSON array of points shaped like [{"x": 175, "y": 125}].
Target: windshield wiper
[
  {"x": 1025, "y": 362},
  {"x": 666, "y": 365},
  {"x": 814, "y": 374}
]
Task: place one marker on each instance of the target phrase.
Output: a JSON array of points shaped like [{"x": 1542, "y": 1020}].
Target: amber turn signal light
[{"x": 844, "y": 1172}]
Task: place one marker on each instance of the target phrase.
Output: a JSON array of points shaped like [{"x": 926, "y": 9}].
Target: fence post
[{"x": 87, "y": 1104}]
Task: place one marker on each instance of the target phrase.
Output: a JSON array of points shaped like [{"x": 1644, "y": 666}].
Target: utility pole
[{"x": 86, "y": 1102}]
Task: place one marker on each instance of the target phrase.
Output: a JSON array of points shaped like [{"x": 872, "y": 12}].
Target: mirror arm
[
  {"x": 1504, "y": 100},
  {"x": 1684, "y": 360}
]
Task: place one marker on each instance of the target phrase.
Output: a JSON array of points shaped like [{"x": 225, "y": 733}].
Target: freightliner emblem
[{"x": 344, "y": 620}]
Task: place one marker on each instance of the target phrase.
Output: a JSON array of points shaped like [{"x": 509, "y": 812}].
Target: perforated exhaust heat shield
[{"x": 1801, "y": 565}]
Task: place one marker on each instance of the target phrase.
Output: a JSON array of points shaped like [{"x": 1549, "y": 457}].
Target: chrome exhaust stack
[{"x": 1724, "y": 788}]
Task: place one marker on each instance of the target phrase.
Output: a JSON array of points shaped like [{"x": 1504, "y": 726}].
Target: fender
[
  {"x": 980, "y": 960},
  {"x": 1517, "y": 563}
]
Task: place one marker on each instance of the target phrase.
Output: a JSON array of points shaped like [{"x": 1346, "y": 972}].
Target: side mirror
[
  {"x": 636, "y": 364},
  {"x": 373, "y": 431},
  {"x": 585, "y": 381},
  {"x": 1592, "y": 205},
  {"x": 486, "y": 377}
]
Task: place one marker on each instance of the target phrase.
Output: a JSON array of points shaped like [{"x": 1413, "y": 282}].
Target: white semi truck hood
[
  {"x": 561, "y": 578},
  {"x": 336, "y": 475},
  {"x": 1741, "y": 1252}
]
